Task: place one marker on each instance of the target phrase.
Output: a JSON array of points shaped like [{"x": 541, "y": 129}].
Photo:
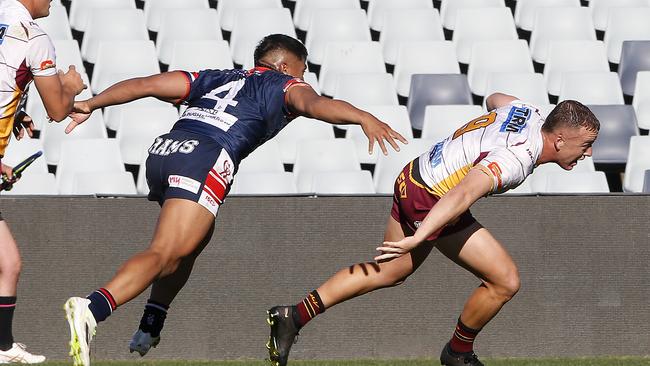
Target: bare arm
[
  {"x": 458, "y": 200},
  {"x": 498, "y": 100},
  {"x": 304, "y": 101},
  {"x": 58, "y": 92},
  {"x": 170, "y": 87}
]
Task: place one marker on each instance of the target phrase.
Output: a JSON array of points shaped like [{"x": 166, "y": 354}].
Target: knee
[
  {"x": 508, "y": 286},
  {"x": 167, "y": 262}
]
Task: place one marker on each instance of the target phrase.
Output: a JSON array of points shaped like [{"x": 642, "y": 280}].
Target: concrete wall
[{"x": 583, "y": 262}]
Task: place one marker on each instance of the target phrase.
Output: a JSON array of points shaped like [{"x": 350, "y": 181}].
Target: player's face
[{"x": 575, "y": 145}]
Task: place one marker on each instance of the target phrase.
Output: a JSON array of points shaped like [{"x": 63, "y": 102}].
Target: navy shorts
[{"x": 189, "y": 166}]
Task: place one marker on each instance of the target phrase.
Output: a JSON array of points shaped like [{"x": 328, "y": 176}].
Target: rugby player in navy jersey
[{"x": 190, "y": 169}]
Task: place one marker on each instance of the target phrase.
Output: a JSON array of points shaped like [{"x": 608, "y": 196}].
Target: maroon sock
[
  {"x": 463, "y": 339},
  {"x": 308, "y": 308}
]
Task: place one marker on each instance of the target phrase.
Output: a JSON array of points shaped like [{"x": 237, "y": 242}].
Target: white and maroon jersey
[
  {"x": 25, "y": 51},
  {"x": 505, "y": 143}
]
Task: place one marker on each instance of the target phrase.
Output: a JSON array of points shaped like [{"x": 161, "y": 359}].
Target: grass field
[{"x": 603, "y": 361}]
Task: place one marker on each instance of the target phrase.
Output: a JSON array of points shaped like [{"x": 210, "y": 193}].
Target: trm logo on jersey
[{"x": 516, "y": 120}]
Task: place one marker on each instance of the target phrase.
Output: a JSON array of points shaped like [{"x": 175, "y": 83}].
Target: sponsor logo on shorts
[
  {"x": 47, "y": 64},
  {"x": 516, "y": 120},
  {"x": 164, "y": 147},
  {"x": 185, "y": 183},
  {"x": 208, "y": 202}
]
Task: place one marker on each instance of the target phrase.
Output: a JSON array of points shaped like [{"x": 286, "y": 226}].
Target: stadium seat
[
  {"x": 646, "y": 182},
  {"x": 396, "y": 116},
  {"x": 573, "y": 56},
  {"x": 539, "y": 176},
  {"x": 409, "y": 25},
  {"x": 53, "y": 135},
  {"x": 305, "y": 10},
  {"x": 638, "y": 162},
  {"x": 625, "y": 24},
  {"x": 545, "y": 109},
  {"x": 113, "y": 114},
  {"x": 525, "y": 86},
  {"x": 527, "y": 9},
  {"x": 34, "y": 183},
  {"x": 80, "y": 10},
  {"x": 200, "y": 55},
  {"x": 600, "y": 87},
  {"x": 436, "y": 89},
  {"x": 311, "y": 79},
  {"x": 319, "y": 156},
  {"x": 19, "y": 150},
  {"x": 576, "y": 182},
  {"x": 227, "y": 9},
  {"x": 153, "y": 10},
  {"x": 141, "y": 182},
  {"x": 348, "y": 57},
  {"x": 112, "y": 25},
  {"x": 448, "y": 9},
  {"x": 204, "y": 26},
  {"x": 483, "y": 62},
  {"x": 559, "y": 24},
  {"x": 86, "y": 155},
  {"x": 251, "y": 25},
  {"x": 601, "y": 9},
  {"x": 524, "y": 188},
  {"x": 343, "y": 183},
  {"x": 377, "y": 10},
  {"x": 264, "y": 183},
  {"x": 56, "y": 24},
  {"x": 103, "y": 183},
  {"x": 635, "y": 57},
  {"x": 340, "y": 25},
  {"x": 265, "y": 159},
  {"x": 68, "y": 53},
  {"x": 301, "y": 129},
  {"x": 617, "y": 125},
  {"x": 388, "y": 167},
  {"x": 139, "y": 126},
  {"x": 440, "y": 121},
  {"x": 366, "y": 88},
  {"x": 641, "y": 101},
  {"x": 433, "y": 57},
  {"x": 470, "y": 29},
  {"x": 117, "y": 61}
]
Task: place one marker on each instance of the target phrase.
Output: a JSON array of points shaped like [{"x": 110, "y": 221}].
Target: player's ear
[{"x": 559, "y": 142}]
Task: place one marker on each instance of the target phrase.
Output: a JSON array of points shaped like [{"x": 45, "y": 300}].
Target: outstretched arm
[
  {"x": 304, "y": 101},
  {"x": 498, "y": 100},
  {"x": 170, "y": 87},
  {"x": 475, "y": 185}
]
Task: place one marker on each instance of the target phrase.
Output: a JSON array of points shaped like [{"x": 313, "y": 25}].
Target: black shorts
[{"x": 189, "y": 166}]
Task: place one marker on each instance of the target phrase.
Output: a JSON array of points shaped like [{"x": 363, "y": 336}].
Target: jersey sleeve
[
  {"x": 192, "y": 87},
  {"x": 506, "y": 168},
  {"x": 40, "y": 57}
]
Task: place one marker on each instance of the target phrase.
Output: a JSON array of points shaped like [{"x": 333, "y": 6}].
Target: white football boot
[
  {"x": 142, "y": 342},
  {"x": 18, "y": 354},
  {"x": 82, "y": 329}
]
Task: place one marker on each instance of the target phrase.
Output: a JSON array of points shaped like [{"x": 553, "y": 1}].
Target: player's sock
[
  {"x": 463, "y": 339},
  {"x": 102, "y": 304},
  {"x": 7, "y": 306},
  {"x": 307, "y": 309},
  {"x": 153, "y": 318}
]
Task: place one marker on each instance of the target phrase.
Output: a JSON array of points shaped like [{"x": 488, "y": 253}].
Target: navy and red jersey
[{"x": 239, "y": 109}]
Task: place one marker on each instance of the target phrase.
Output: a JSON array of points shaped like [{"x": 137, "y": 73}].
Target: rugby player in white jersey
[
  {"x": 26, "y": 54},
  {"x": 433, "y": 193}
]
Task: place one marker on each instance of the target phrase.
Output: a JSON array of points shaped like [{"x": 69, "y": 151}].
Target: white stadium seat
[
  {"x": 576, "y": 182},
  {"x": 341, "y": 25},
  {"x": 19, "y": 150},
  {"x": 388, "y": 167},
  {"x": 319, "y": 156},
  {"x": 227, "y": 9},
  {"x": 366, "y": 88},
  {"x": 528, "y": 87},
  {"x": 559, "y": 24},
  {"x": 112, "y": 25},
  {"x": 527, "y": 9},
  {"x": 470, "y": 29},
  {"x": 306, "y": 10},
  {"x": 572, "y": 56},
  {"x": 638, "y": 161},
  {"x": 298, "y": 130},
  {"x": 348, "y": 57},
  {"x": 409, "y": 25},
  {"x": 265, "y": 159},
  {"x": 53, "y": 135},
  {"x": 599, "y": 87},
  {"x": 440, "y": 121},
  {"x": 343, "y": 183},
  {"x": 34, "y": 183},
  {"x": 200, "y": 55},
  {"x": 139, "y": 126},
  {"x": 625, "y": 24},
  {"x": 68, "y": 53},
  {"x": 153, "y": 10},
  {"x": 377, "y": 10},
  {"x": 113, "y": 114},
  {"x": 80, "y": 10},
  {"x": 483, "y": 62},
  {"x": 117, "y": 61},
  {"x": 264, "y": 183},
  {"x": 86, "y": 155},
  {"x": 251, "y": 25},
  {"x": 204, "y": 26},
  {"x": 601, "y": 9},
  {"x": 433, "y": 57},
  {"x": 104, "y": 183},
  {"x": 449, "y": 9},
  {"x": 539, "y": 177},
  {"x": 56, "y": 24},
  {"x": 641, "y": 101}
]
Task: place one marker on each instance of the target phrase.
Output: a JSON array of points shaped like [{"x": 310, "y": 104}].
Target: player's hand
[
  {"x": 72, "y": 79},
  {"x": 80, "y": 113},
  {"x": 8, "y": 178},
  {"x": 395, "y": 249},
  {"x": 22, "y": 123},
  {"x": 378, "y": 131}
]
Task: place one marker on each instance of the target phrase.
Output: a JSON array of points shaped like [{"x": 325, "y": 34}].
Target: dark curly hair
[{"x": 276, "y": 42}]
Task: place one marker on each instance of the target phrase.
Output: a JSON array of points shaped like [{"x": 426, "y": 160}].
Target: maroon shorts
[{"x": 412, "y": 201}]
